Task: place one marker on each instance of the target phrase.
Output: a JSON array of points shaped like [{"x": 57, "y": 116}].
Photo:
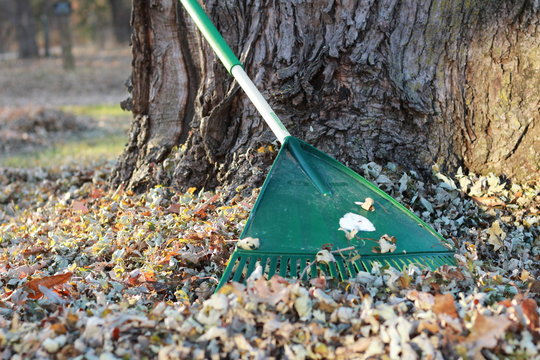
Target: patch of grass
[
  {"x": 81, "y": 151},
  {"x": 96, "y": 111}
]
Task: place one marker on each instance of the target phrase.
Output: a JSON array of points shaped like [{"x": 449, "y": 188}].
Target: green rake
[{"x": 304, "y": 202}]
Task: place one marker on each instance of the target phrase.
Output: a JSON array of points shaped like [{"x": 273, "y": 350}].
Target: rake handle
[{"x": 234, "y": 67}]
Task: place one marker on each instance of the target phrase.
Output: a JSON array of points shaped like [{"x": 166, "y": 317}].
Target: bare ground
[{"x": 99, "y": 78}]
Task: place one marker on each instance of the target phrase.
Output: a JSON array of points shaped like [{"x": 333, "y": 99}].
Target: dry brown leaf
[
  {"x": 486, "y": 332},
  {"x": 422, "y": 300},
  {"x": 34, "y": 251},
  {"x": 535, "y": 287},
  {"x": 444, "y": 304},
  {"x": 97, "y": 193},
  {"x": 174, "y": 208},
  {"x": 79, "y": 205},
  {"x": 429, "y": 326},
  {"x": 59, "y": 328},
  {"x": 269, "y": 292},
  {"x": 530, "y": 310},
  {"x": 489, "y": 201},
  {"x": 450, "y": 273},
  {"x": 48, "y": 282},
  {"x": 319, "y": 282}
]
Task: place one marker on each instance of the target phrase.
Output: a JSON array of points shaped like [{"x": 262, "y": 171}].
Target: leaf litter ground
[{"x": 93, "y": 273}]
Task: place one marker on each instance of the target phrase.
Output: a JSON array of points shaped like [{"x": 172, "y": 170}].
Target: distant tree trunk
[
  {"x": 26, "y": 29},
  {"x": 6, "y": 25},
  {"x": 64, "y": 26},
  {"x": 45, "y": 22},
  {"x": 418, "y": 83},
  {"x": 120, "y": 11}
]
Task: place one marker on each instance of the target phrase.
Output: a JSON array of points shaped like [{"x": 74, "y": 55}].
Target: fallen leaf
[
  {"x": 174, "y": 208},
  {"x": 97, "y": 193},
  {"x": 351, "y": 221},
  {"x": 450, "y": 273},
  {"x": 366, "y": 204},
  {"x": 387, "y": 244},
  {"x": 59, "y": 328},
  {"x": 48, "y": 282},
  {"x": 35, "y": 251},
  {"x": 51, "y": 295},
  {"x": 115, "y": 334},
  {"x": 489, "y": 201},
  {"x": 324, "y": 257},
  {"x": 445, "y": 304},
  {"x": 535, "y": 287},
  {"x": 496, "y": 235},
  {"x": 429, "y": 326},
  {"x": 530, "y": 310},
  {"x": 422, "y": 300},
  {"x": 319, "y": 282},
  {"x": 79, "y": 205},
  {"x": 485, "y": 333},
  {"x": 249, "y": 243}
]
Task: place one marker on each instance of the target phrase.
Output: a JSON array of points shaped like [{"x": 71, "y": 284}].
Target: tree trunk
[
  {"x": 26, "y": 30},
  {"x": 418, "y": 83},
  {"x": 6, "y": 25},
  {"x": 120, "y": 20},
  {"x": 64, "y": 26}
]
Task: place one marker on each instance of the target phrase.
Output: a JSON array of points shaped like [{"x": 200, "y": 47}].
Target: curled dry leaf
[
  {"x": 249, "y": 243},
  {"x": 387, "y": 243},
  {"x": 48, "y": 282},
  {"x": 324, "y": 257},
  {"x": 488, "y": 201},
  {"x": 496, "y": 235},
  {"x": 366, "y": 204}
]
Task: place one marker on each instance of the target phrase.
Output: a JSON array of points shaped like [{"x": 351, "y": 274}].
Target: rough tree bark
[
  {"x": 25, "y": 26},
  {"x": 452, "y": 82}
]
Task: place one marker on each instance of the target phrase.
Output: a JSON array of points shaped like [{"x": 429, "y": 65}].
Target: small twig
[
  {"x": 306, "y": 269},
  {"x": 368, "y": 239},
  {"x": 343, "y": 250}
]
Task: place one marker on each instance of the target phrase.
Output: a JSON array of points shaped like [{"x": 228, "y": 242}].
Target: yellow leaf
[{"x": 181, "y": 295}]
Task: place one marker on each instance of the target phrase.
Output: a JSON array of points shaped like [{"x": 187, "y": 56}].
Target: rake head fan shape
[{"x": 307, "y": 220}]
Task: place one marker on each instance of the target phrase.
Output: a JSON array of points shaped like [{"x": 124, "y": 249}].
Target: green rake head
[
  {"x": 298, "y": 213},
  {"x": 243, "y": 263},
  {"x": 305, "y": 197}
]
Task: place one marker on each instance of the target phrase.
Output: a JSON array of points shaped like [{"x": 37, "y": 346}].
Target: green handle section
[{"x": 212, "y": 35}]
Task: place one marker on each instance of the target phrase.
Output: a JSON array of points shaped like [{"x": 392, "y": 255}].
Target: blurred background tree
[
  {"x": 25, "y": 28},
  {"x": 30, "y": 28}
]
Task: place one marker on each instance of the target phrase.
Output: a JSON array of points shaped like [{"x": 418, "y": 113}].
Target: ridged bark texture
[{"x": 451, "y": 82}]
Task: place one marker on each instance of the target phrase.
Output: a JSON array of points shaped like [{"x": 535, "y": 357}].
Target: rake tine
[
  {"x": 283, "y": 266},
  {"x": 272, "y": 266},
  {"x": 238, "y": 272},
  {"x": 342, "y": 270}
]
